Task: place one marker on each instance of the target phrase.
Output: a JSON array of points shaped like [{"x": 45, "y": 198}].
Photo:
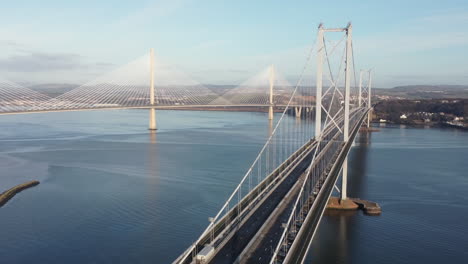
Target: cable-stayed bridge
[
  {"x": 272, "y": 215},
  {"x": 147, "y": 82}
]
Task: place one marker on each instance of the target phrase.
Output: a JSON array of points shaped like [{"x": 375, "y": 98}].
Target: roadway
[
  {"x": 250, "y": 235},
  {"x": 269, "y": 237},
  {"x": 243, "y": 234},
  {"x": 255, "y": 240},
  {"x": 266, "y": 239},
  {"x": 299, "y": 249}
]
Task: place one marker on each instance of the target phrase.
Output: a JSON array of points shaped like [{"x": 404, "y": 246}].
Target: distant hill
[
  {"x": 53, "y": 89},
  {"x": 399, "y": 92},
  {"x": 426, "y": 91},
  {"x": 430, "y": 88}
]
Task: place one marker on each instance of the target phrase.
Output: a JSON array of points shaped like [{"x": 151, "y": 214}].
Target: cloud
[
  {"x": 10, "y": 43},
  {"x": 38, "y": 61},
  {"x": 43, "y": 62}
]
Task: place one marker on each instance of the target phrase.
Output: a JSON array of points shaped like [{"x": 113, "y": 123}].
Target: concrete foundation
[
  {"x": 369, "y": 208},
  {"x": 336, "y": 203},
  {"x": 298, "y": 111}
]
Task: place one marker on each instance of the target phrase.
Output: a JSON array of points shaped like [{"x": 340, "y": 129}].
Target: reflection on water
[
  {"x": 153, "y": 160},
  {"x": 111, "y": 192},
  {"x": 270, "y": 127},
  {"x": 336, "y": 239},
  {"x": 416, "y": 176},
  {"x": 358, "y": 161},
  {"x": 152, "y": 136},
  {"x": 344, "y": 234}
]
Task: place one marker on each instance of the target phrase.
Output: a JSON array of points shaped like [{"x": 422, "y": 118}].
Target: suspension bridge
[{"x": 273, "y": 213}]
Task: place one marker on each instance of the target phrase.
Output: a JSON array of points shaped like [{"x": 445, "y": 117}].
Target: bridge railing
[
  {"x": 268, "y": 167},
  {"x": 287, "y": 141},
  {"x": 326, "y": 153}
]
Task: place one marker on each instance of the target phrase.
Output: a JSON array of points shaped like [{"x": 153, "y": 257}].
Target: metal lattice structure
[{"x": 288, "y": 184}]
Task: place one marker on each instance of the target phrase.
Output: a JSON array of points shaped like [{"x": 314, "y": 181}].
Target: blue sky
[{"x": 226, "y": 42}]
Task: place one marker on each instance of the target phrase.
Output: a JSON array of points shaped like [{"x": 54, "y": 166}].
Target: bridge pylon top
[{"x": 348, "y": 27}]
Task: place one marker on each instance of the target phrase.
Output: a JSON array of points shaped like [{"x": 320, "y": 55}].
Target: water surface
[
  {"x": 419, "y": 177},
  {"x": 111, "y": 192}
]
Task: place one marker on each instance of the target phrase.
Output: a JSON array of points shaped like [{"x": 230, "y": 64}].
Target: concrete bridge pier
[
  {"x": 369, "y": 96},
  {"x": 152, "y": 117},
  {"x": 298, "y": 110},
  {"x": 270, "y": 112},
  {"x": 272, "y": 81},
  {"x": 344, "y": 180}
]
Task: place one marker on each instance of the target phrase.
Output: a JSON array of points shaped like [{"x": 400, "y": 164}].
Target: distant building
[
  {"x": 383, "y": 121},
  {"x": 403, "y": 116}
]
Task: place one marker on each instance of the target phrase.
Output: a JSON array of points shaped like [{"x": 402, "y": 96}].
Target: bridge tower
[
  {"x": 366, "y": 91},
  {"x": 347, "y": 94},
  {"x": 318, "y": 83},
  {"x": 349, "y": 30},
  {"x": 360, "y": 88},
  {"x": 349, "y": 38},
  {"x": 369, "y": 95},
  {"x": 272, "y": 82},
  {"x": 152, "y": 117}
]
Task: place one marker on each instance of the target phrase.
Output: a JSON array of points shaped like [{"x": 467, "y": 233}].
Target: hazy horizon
[
  {"x": 227, "y": 43},
  {"x": 59, "y": 85}
]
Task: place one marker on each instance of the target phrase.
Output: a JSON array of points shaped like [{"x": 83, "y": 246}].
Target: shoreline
[{"x": 430, "y": 125}]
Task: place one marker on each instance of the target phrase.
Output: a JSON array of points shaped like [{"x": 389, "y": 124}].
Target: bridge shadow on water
[
  {"x": 358, "y": 159},
  {"x": 337, "y": 235}
]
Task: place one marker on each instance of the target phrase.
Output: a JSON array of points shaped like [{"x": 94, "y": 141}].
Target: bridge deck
[
  {"x": 266, "y": 239},
  {"x": 300, "y": 246},
  {"x": 160, "y": 107},
  {"x": 242, "y": 235},
  {"x": 251, "y": 234}
]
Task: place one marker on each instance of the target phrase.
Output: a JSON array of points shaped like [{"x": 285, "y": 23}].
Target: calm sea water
[{"x": 111, "y": 192}]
